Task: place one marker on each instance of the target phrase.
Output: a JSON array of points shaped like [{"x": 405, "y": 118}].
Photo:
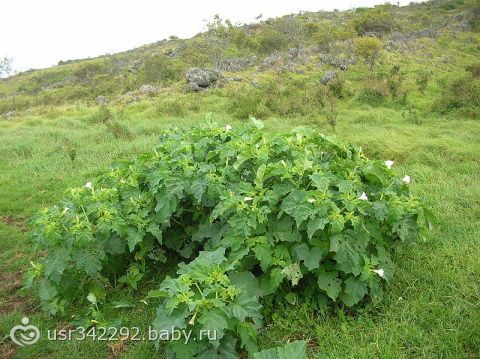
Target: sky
[{"x": 39, "y": 33}]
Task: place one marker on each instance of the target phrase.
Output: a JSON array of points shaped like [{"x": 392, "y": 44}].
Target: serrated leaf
[
  {"x": 264, "y": 254},
  {"x": 165, "y": 322},
  {"x": 330, "y": 283},
  {"x": 355, "y": 290},
  {"x": 320, "y": 182},
  {"x": 316, "y": 224},
  {"x": 215, "y": 321}
]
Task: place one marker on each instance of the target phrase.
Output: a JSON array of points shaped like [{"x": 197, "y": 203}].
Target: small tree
[
  {"x": 88, "y": 74},
  {"x": 422, "y": 79},
  {"x": 32, "y": 87},
  {"x": 369, "y": 49},
  {"x": 216, "y": 40},
  {"x": 293, "y": 29},
  {"x": 379, "y": 19},
  {"x": 159, "y": 68},
  {"x": 5, "y": 66}
]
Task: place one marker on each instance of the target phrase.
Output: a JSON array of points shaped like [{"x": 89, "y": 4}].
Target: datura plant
[{"x": 253, "y": 216}]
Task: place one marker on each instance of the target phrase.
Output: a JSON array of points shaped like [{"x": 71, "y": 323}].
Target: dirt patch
[
  {"x": 14, "y": 221},
  {"x": 18, "y": 304},
  {"x": 10, "y": 283},
  {"x": 116, "y": 349},
  {"x": 7, "y": 351}
]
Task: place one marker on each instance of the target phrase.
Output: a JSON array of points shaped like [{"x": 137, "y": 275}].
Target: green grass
[{"x": 431, "y": 309}]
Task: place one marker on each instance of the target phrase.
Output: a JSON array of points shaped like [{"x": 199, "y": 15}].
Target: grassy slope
[{"x": 431, "y": 310}]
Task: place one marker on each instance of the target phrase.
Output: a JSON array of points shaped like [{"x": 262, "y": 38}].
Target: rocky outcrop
[
  {"x": 329, "y": 76},
  {"x": 101, "y": 100},
  {"x": 148, "y": 90},
  {"x": 201, "y": 78},
  {"x": 10, "y": 114},
  {"x": 237, "y": 64}
]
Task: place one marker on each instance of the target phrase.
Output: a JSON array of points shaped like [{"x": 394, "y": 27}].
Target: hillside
[
  {"x": 434, "y": 39},
  {"x": 400, "y": 84}
]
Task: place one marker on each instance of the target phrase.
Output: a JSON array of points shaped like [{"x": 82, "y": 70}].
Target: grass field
[{"x": 431, "y": 309}]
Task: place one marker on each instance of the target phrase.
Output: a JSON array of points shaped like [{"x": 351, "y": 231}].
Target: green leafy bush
[
  {"x": 270, "y": 40},
  {"x": 461, "y": 96},
  {"x": 256, "y": 216},
  {"x": 374, "y": 91},
  {"x": 160, "y": 69},
  {"x": 379, "y": 19}
]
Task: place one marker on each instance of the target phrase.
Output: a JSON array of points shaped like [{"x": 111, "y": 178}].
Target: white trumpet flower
[
  {"x": 389, "y": 163},
  {"x": 363, "y": 197},
  {"x": 406, "y": 179},
  {"x": 380, "y": 272},
  {"x": 88, "y": 185}
]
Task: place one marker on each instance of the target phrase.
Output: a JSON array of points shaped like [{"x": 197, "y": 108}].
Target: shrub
[
  {"x": 114, "y": 125},
  {"x": 88, "y": 74},
  {"x": 247, "y": 101},
  {"x": 374, "y": 91},
  {"x": 462, "y": 96},
  {"x": 257, "y": 217},
  {"x": 422, "y": 79},
  {"x": 171, "y": 107},
  {"x": 270, "y": 40},
  {"x": 474, "y": 69},
  {"x": 337, "y": 87},
  {"x": 380, "y": 20},
  {"x": 160, "y": 69},
  {"x": 369, "y": 49}
]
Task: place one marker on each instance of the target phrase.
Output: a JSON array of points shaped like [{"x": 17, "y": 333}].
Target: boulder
[
  {"x": 131, "y": 97},
  {"x": 193, "y": 87},
  {"x": 10, "y": 114},
  {"x": 147, "y": 89},
  {"x": 237, "y": 64},
  {"x": 340, "y": 63},
  {"x": 101, "y": 100},
  {"x": 329, "y": 76},
  {"x": 203, "y": 78}
]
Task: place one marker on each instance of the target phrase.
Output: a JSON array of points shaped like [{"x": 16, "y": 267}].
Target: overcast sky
[{"x": 39, "y": 33}]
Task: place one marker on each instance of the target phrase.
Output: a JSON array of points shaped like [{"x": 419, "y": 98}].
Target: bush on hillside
[
  {"x": 368, "y": 48},
  {"x": 270, "y": 40},
  {"x": 374, "y": 91},
  {"x": 461, "y": 96},
  {"x": 377, "y": 20},
  {"x": 160, "y": 69}
]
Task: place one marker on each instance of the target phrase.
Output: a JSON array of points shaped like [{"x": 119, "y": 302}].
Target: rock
[
  {"x": 329, "y": 76},
  {"x": 101, "y": 100},
  {"x": 148, "y": 89},
  {"x": 173, "y": 53},
  {"x": 298, "y": 55},
  {"x": 340, "y": 63},
  {"x": 131, "y": 97},
  {"x": 271, "y": 60},
  {"x": 193, "y": 87},
  {"x": 431, "y": 33},
  {"x": 255, "y": 83},
  {"x": 10, "y": 114},
  {"x": 237, "y": 64},
  {"x": 371, "y": 34},
  {"x": 201, "y": 77},
  {"x": 233, "y": 78},
  {"x": 293, "y": 53}
]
